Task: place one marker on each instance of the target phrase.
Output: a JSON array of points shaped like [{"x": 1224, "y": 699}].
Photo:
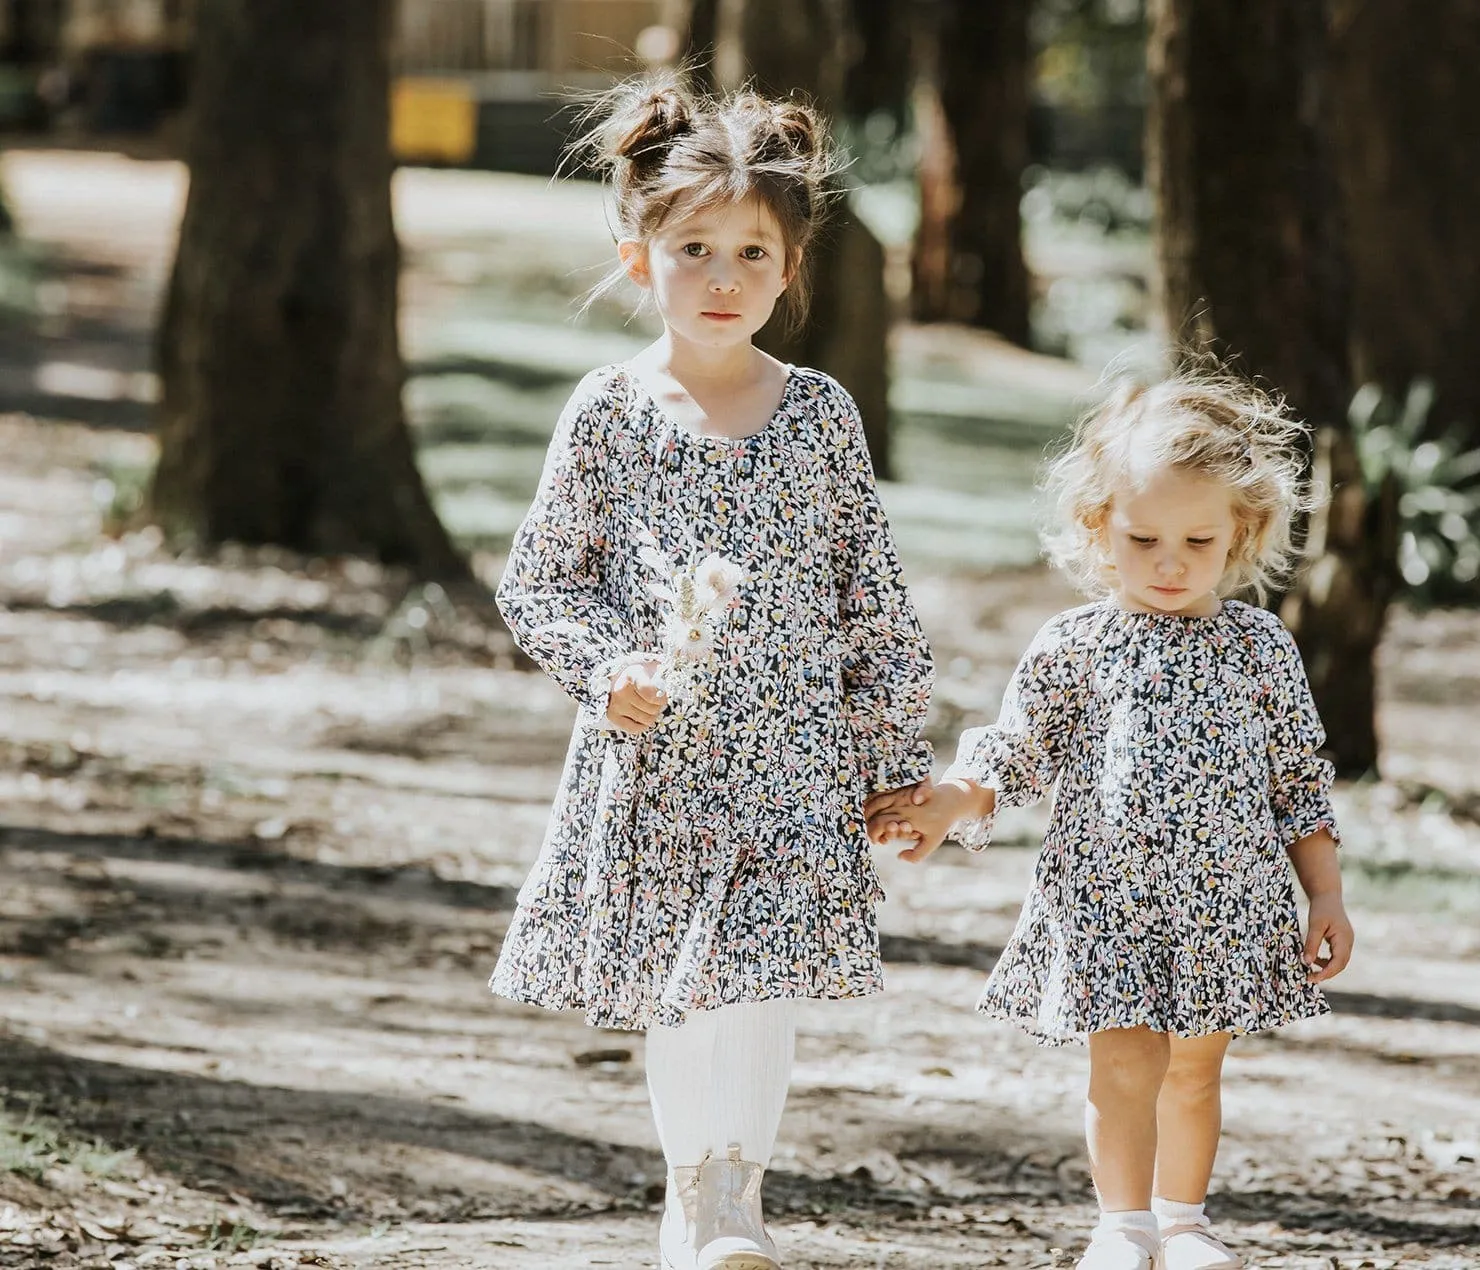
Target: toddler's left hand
[{"x": 1328, "y": 924}]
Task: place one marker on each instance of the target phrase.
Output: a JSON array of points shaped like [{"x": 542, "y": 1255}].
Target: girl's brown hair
[{"x": 668, "y": 153}]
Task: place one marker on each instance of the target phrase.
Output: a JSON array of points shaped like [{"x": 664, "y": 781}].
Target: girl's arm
[
  {"x": 1300, "y": 795},
  {"x": 888, "y": 671},
  {"x": 1299, "y": 778},
  {"x": 550, "y": 591},
  {"x": 1017, "y": 760},
  {"x": 1314, "y": 858}
]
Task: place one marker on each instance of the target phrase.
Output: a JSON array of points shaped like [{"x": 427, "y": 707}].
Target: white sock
[
  {"x": 1171, "y": 1212},
  {"x": 1142, "y": 1219},
  {"x": 721, "y": 1077}
]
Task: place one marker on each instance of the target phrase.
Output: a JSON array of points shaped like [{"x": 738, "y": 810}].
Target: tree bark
[
  {"x": 1252, "y": 263},
  {"x": 968, "y": 263},
  {"x": 1408, "y": 169},
  {"x": 803, "y": 46},
  {"x": 281, "y": 420}
]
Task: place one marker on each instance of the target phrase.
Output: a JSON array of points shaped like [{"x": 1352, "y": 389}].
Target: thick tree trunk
[
  {"x": 1412, "y": 185},
  {"x": 1252, "y": 262},
  {"x": 968, "y": 264},
  {"x": 281, "y": 419},
  {"x": 881, "y": 69},
  {"x": 803, "y": 46}
]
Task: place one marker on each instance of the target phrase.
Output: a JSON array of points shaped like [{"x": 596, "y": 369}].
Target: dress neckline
[
  {"x": 1110, "y": 603},
  {"x": 709, "y": 438}
]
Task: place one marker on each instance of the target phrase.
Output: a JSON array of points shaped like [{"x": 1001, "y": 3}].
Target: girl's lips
[{"x": 720, "y": 317}]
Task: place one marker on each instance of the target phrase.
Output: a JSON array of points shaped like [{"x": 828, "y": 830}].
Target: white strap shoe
[
  {"x": 1121, "y": 1248},
  {"x": 1192, "y": 1246}
]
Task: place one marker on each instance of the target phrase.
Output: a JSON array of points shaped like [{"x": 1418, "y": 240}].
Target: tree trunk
[
  {"x": 1412, "y": 186},
  {"x": 281, "y": 419},
  {"x": 968, "y": 264},
  {"x": 699, "y": 41},
  {"x": 803, "y": 46},
  {"x": 1252, "y": 263},
  {"x": 881, "y": 69}
]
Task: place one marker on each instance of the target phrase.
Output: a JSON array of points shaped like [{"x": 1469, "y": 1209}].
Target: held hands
[
  {"x": 1327, "y": 924},
  {"x": 923, "y": 814},
  {"x": 636, "y": 698}
]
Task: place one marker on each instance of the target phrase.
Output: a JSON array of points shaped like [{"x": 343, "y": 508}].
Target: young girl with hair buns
[
  {"x": 1177, "y": 732},
  {"x": 707, "y": 570}
]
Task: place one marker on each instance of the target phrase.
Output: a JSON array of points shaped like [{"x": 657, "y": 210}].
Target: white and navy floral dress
[
  {"x": 1185, "y": 755},
  {"x": 722, "y": 856}
]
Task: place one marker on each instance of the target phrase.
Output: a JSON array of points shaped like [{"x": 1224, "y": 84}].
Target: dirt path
[
  {"x": 262, "y": 826},
  {"x": 261, "y": 838}
]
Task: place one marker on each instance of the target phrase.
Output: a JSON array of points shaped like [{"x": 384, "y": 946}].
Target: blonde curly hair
[{"x": 1202, "y": 419}]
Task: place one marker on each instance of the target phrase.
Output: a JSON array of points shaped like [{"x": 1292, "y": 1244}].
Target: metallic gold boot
[
  {"x": 676, "y": 1234},
  {"x": 729, "y": 1233}
]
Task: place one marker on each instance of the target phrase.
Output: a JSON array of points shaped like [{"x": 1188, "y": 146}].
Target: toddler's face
[
  {"x": 715, "y": 276},
  {"x": 1169, "y": 542}
]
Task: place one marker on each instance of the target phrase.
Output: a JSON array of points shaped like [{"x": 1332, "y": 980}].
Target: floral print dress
[
  {"x": 722, "y": 856},
  {"x": 1185, "y": 755}
]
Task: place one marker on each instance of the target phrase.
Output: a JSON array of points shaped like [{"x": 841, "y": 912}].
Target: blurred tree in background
[
  {"x": 281, "y": 420},
  {"x": 1253, "y": 262},
  {"x": 973, "y": 119},
  {"x": 1403, "y": 88}
]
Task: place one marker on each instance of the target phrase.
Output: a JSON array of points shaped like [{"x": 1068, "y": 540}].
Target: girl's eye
[
  {"x": 1200, "y": 542},
  {"x": 753, "y": 253},
  {"x": 695, "y": 250},
  {"x": 1142, "y": 542}
]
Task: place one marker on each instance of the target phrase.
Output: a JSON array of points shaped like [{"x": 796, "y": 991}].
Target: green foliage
[
  {"x": 234, "y": 1236},
  {"x": 1091, "y": 53},
  {"x": 30, "y": 1146},
  {"x": 1437, "y": 474}
]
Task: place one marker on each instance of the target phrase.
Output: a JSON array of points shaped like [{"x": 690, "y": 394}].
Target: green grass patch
[{"x": 31, "y": 1145}]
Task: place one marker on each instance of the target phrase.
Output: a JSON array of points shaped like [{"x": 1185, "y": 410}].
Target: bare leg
[
  {"x": 1189, "y": 1117},
  {"x": 1126, "y": 1067}
]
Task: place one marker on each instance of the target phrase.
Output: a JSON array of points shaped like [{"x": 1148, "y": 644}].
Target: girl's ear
[
  {"x": 633, "y": 256},
  {"x": 793, "y": 267}
]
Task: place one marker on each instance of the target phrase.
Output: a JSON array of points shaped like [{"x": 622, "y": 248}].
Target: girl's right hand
[{"x": 636, "y": 699}]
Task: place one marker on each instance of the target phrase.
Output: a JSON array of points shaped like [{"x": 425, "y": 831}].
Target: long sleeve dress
[
  {"x": 722, "y": 856},
  {"x": 1185, "y": 752}
]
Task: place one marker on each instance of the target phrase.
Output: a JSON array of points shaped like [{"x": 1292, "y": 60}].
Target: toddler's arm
[
  {"x": 1314, "y": 859},
  {"x": 1017, "y": 759}
]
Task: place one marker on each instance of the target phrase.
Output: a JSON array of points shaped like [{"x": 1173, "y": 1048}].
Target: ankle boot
[
  {"x": 729, "y": 1233},
  {"x": 676, "y": 1234}
]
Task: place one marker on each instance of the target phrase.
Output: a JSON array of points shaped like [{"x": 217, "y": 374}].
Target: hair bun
[
  {"x": 798, "y": 127},
  {"x": 650, "y": 123}
]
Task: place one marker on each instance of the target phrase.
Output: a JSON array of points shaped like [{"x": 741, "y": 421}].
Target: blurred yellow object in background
[{"x": 433, "y": 120}]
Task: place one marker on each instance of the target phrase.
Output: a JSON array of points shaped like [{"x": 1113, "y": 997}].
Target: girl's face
[
  {"x": 1169, "y": 542},
  {"x": 714, "y": 276}
]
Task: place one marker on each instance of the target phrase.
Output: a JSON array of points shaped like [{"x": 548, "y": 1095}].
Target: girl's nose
[
  {"x": 724, "y": 282},
  {"x": 1170, "y": 566}
]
